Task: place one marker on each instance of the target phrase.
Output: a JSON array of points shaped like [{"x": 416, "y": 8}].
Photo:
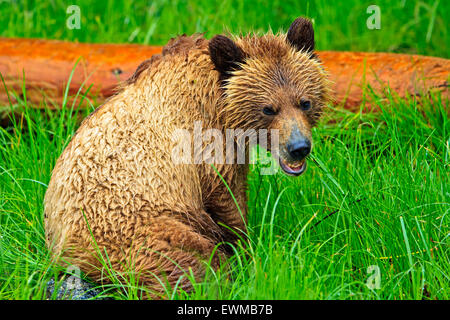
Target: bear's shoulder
[
  {"x": 180, "y": 45},
  {"x": 183, "y": 44}
]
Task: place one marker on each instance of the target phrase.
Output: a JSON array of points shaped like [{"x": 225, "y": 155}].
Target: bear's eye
[
  {"x": 269, "y": 111},
  {"x": 305, "y": 104}
]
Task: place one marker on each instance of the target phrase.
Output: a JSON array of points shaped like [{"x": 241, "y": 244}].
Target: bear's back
[{"x": 115, "y": 170}]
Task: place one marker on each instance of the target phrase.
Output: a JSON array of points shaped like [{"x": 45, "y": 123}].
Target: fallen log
[{"x": 44, "y": 67}]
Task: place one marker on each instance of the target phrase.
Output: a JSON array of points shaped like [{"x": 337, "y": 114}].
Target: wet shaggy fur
[{"x": 115, "y": 193}]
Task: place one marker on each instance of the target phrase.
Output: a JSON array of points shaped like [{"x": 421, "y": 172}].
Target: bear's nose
[{"x": 299, "y": 149}]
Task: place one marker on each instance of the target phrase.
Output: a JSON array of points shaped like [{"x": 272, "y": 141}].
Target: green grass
[
  {"x": 386, "y": 174},
  {"x": 406, "y": 26}
]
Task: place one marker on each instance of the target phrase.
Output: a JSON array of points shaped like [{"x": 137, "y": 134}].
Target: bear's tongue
[{"x": 294, "y": 169}]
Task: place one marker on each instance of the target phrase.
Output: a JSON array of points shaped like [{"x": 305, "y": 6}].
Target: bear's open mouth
[{"x": 293, "y": 169}]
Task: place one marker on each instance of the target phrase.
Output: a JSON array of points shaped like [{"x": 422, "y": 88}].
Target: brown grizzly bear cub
[{"x": 116, "y": 192}]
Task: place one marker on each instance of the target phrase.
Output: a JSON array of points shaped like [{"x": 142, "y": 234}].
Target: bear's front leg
[{"x": 229, "y": 214}]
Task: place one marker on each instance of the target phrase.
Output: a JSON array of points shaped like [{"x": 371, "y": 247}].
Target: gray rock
[{"x": 72, "y": 288}]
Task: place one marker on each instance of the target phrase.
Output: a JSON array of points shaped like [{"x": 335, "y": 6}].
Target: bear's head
[{"x": 273, "y": 82}]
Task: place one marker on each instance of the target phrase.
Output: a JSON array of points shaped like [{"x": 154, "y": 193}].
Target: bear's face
[{"x": 274, "y": 82}]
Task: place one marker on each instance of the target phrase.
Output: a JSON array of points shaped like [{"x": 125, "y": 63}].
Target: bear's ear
[
  {"x": 301, "y": 35},
  {"x": 225, "y": 54}
]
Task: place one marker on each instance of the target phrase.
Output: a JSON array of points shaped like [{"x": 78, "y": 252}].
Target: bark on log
[{"x": 47, "y": 65}]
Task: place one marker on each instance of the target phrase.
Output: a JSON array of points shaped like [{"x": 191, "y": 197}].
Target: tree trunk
[{"x": 44, "y": 68}]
